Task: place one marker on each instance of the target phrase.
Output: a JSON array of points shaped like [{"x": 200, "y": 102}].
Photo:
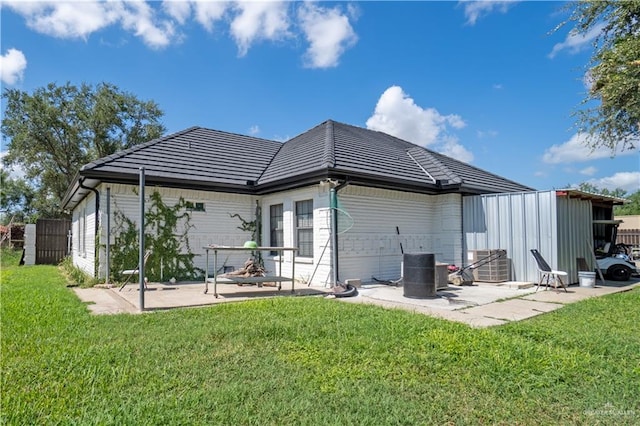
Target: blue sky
[{"x": 488, "y": 83}]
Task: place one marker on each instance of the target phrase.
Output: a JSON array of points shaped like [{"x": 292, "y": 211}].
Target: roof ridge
[
  {"x": 229, "y": 133},
  {"x": 447, "y": 171},
  {"x": 138, "y": 147},
  {"x": 408, "y": 151},
  {"x": 329, "y": 157}
]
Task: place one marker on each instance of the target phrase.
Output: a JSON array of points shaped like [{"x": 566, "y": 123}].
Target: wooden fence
[
  {"x": 51, "y": 240},
  {"x": 630, "y": 237}
]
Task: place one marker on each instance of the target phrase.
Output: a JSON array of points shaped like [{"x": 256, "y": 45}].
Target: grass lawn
[{"x": 309, "y": 361}]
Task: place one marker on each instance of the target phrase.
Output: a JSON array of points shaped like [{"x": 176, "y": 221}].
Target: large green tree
[
  {"x": 610, "y": 112},
  {"x": 631, "y": 207},
  {"x": 53, "y": 131},
  {"x": 16, "y": 199}
]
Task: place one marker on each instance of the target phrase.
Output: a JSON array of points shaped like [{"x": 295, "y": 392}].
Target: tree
[
  {"x": 16, "y": 199},
  {"x": 588, "y": 187},
  {"x": 614, "y": 72},
  {"x": 57, "y": 129},
  {"x": 632, "y": 207}
]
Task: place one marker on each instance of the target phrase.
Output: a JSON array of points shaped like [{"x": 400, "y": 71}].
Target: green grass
[{"x": 309, "y": 361}]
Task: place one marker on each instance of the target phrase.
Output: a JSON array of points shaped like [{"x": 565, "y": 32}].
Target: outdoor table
[{"x": 248, "y": 280}]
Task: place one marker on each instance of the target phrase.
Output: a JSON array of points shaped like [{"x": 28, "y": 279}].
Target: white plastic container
[{"x": 587, "y": 279}]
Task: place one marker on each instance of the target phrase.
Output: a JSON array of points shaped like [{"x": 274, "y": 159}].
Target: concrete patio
[{"x": 478, "y": 305}]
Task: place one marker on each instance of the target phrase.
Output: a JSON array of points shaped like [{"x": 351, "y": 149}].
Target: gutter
[{"x": 334, "y": 230}]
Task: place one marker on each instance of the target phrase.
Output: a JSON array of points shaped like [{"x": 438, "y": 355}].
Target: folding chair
[
  {"x": 136, "y": 271},
  {"x": 546, "y": 273}
]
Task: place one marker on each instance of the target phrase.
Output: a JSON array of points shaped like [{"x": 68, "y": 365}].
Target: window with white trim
[
  {"x": 304, "y": 228},
  {"x": 193, "y": 206},
  {"x": 276, "y": 234},
  {"x": 82, "y": 234}
]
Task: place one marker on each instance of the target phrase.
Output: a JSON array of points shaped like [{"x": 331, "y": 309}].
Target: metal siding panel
[
  {"x": 516, "y": 222},
  {"x": 475, "y": 225},
  {"x": 575, "y": 231},
  {"x": 513, "y": 233}
]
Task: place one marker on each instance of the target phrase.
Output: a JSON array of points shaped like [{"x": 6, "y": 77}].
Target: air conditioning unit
[{"x": 495, "y": 268}]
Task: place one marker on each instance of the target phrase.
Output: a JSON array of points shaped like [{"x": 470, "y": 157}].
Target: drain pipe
[
  {"x": 97, "y": 225},
  {"x": 333, "y": 204}
]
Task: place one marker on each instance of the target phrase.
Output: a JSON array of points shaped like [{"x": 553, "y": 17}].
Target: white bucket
[{"x": 587, "y": 279}]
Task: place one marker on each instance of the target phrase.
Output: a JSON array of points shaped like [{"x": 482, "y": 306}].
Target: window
[
  {"x": 275, "y": 227},
  {"x": 82, "y": 231},
  {"x": 194, "y": 207},
  {"x": 304, "y": 227}
]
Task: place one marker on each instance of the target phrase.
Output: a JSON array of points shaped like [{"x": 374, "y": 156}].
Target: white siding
[
  {"x": 305, "y": 269},
  {"x": 213, "y": 226},
  {"x": 426, "y": 224},
  {"x": 83, "y": 228}
]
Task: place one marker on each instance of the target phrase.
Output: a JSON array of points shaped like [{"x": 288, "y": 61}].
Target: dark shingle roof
[
  {"x": 197, "y": 155},
  {"x": 208, "y": 159},
  {"x": 347, "y": 150}
]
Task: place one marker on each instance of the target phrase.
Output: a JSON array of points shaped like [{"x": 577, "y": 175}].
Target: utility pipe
[
  {"x": 333, "y": 204},
  {"x": 108, "y": 245},
  {"x": 141, "y": 265}
]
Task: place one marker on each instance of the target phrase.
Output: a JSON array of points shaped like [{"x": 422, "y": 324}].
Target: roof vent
[{"x": 251, "y": 183}]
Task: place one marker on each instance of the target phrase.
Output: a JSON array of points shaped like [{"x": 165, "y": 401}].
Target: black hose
[{"x": 350, "y": 291}]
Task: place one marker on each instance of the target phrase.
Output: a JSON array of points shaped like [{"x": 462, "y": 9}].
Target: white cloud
[
  {"x": 254, "y": 130},
  {"x": 453, "y": 149},
  {"x": 80, "y": 19},
  {"x": 12, "y": 66},
  {"x": 140, "y": 18},
  {"x": 327, "y": 30},
  {"x": 66, "y": 19},
  {"x": 629, "y": 181},
  {"x": 179, "y": 10},
  {"x": 329, "y": 33},
  {"x": 588, "y": 171},
  {"x": 209, "y": 12},
  {"x": 397, "y": 114},
  {"x": 206, "y": 13},
  {"x": 576, "y": 150},
  {"x": 473, "y": 10},
  {"x": 258, "y": 20},
  {"x": 576, "y": 42}
]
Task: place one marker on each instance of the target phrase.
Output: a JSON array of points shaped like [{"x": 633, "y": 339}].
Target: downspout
[
  {"x": 97, "y": 225},
  {"x": 333, "y": 204}
]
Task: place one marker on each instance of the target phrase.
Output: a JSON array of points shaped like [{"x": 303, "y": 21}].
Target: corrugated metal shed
[{"x": 557, "y": 223}]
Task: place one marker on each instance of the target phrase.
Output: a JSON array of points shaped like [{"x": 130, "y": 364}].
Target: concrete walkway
[
  {"x": 478, "y": 305},
  {"x": 487, "y": 304},
  {"x": 161, "y": 296}
]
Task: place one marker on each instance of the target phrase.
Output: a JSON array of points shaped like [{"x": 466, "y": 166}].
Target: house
[{"x": 399, "y": 197}]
